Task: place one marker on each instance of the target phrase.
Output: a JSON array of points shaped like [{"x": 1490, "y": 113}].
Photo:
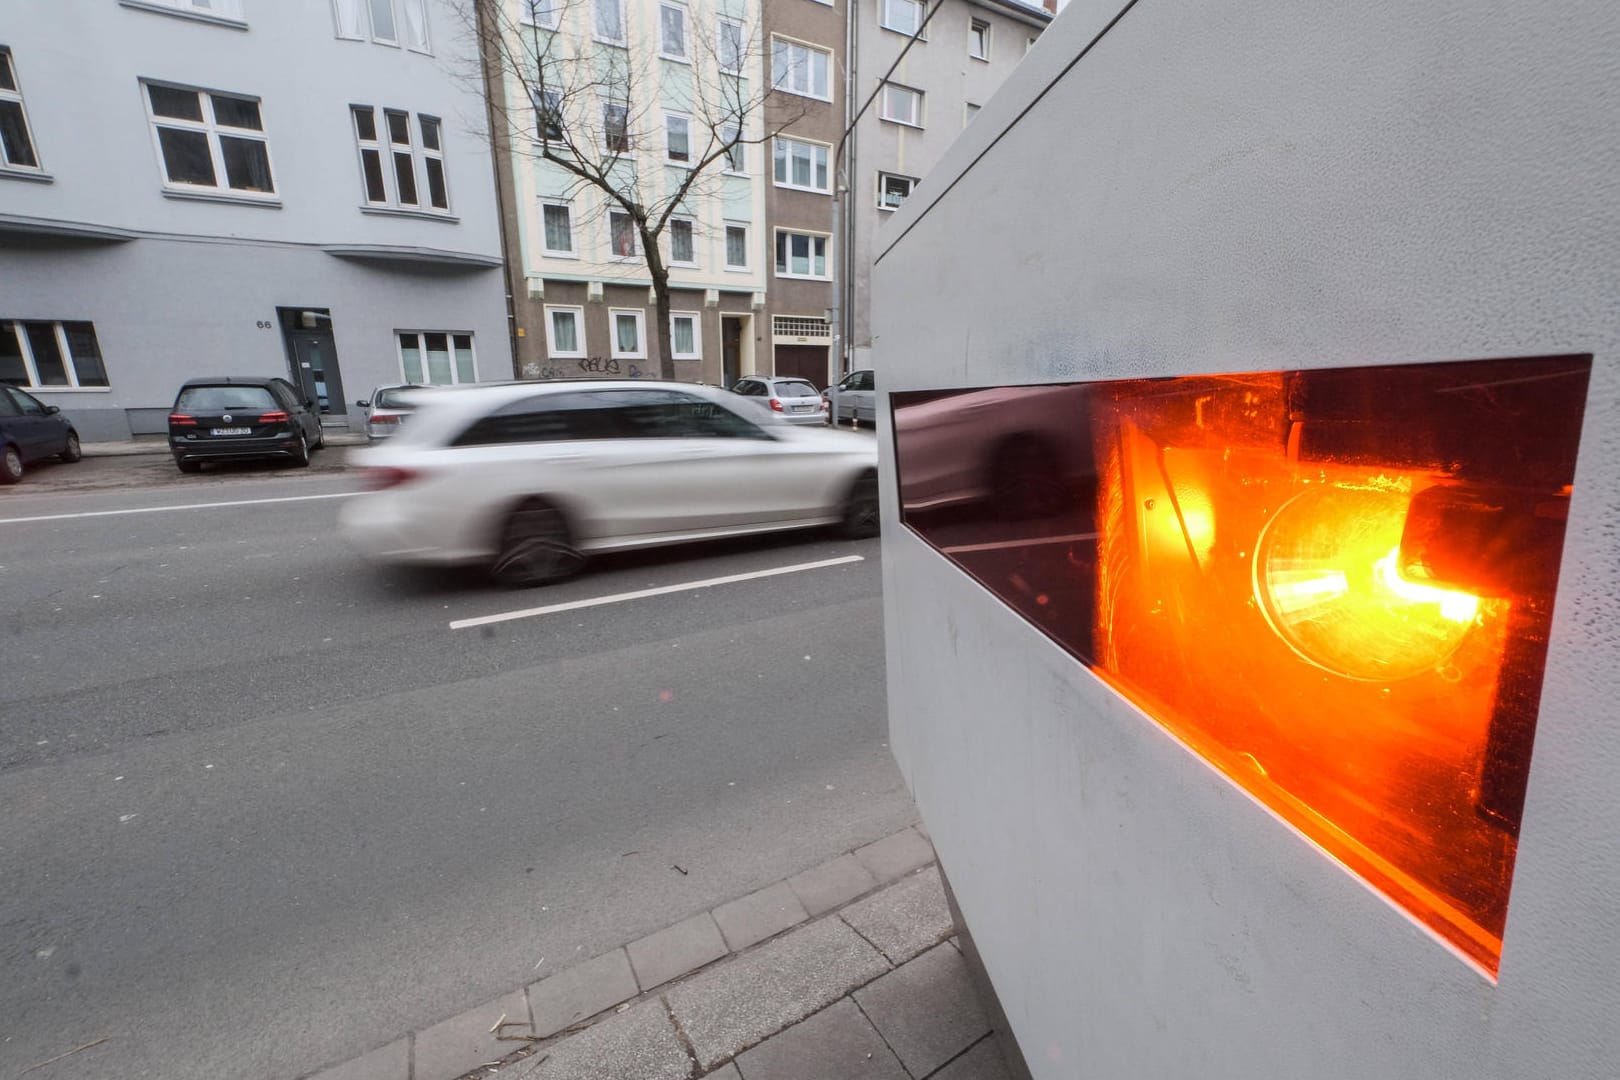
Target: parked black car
[
  {"x": 30, "y": 431},
  {"x": 233, "y": 418}
]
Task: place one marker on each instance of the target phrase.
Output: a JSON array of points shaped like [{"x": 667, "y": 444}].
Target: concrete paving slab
[
  {"x": 582, "y": 991},
  {"x": 727, "y": 1071},
  {"x": 836, "y": 1043},
  {"x": 982, "y": 1062},
  {"x": 462, "y": 1043},
  {"x": 896, "y": 855},
  {"x": 391, "y": 1062},
  {"x": 904, "y": 919},
  {"x": 729, "y": 1009},
  {"x": 637, "y": 1044},
  {"x": 676, "y": 950},
  {"x": 832, "y": 884},
  {"x": 751, "y": 919},
  {"x": 926, "y": 1009}
]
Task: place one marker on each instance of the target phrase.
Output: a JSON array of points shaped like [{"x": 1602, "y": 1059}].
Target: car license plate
[
  {"x": 803, "y": 408},
  {"x": 230, "y": 431}
]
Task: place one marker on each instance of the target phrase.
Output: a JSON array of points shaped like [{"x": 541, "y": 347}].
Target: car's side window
[
  {"x": 27, "y": 405},
  {"x": 863, "y": 381},
  {"x": 709, "y": 420},
  {"x": 289, "y": 395},
  {"x": 8, "y": 406},
  {"x": 547, "y": 418}
]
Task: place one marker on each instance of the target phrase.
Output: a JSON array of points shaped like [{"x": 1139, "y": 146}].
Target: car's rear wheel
[
  {"x": 188, "y": 466},
  {"x": 861, "y": 517},
  {"x": 320, "y": 439},
  {"x": 71, "y": 452},
  {"x": 536, "y": 547},
  {"x": 11, "y": 465},
  {"x": 300, "y": 458}
]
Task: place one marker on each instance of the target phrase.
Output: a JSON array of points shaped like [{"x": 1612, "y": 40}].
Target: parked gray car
[
  {"x": 795, "y": 400},
  {"x": 857, "y": 397}
]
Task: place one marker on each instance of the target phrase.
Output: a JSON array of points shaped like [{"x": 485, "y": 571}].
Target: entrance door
[
  {"x": 730, "y": 350},
  {"x": 314, "y": 359}
]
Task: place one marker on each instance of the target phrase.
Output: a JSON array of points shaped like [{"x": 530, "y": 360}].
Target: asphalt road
[{"x": 263, "y": 809}]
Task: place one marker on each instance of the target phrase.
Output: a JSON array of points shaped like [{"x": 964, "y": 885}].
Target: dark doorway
[
  {"x": 312, "y": 352},
  {"x": 730, "y": 350},
  {"x": 804, "y": 362}
]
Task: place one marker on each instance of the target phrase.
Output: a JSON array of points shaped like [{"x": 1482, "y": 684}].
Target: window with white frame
[
  {"x": 672, "y": 32},
  {"x": 437, "y": 357},
  {"x": 541, "y": 13},
  {"x": 565, "y": 331},
  {"x": 387, "y": 22},
  {"x": 801, "y": 69},
  {"x": 557, "y": 229},
  {"x": 677, "y": 139},
  {"x": 682, "y": 241},
  {"x": 736, "y": 246},
  {"x": 622, "y": 235},
  {"x": 730, "y": 44},
  {"x": 548, "y": 115},
  {"x": 685, "y": 335},
  {"x": 901, "y": 105},
  {"x": 48, "y": 355},
  {"x": 609, "y": 22},
  {"x": 736, "y": 150},
  {"x": 979, "y": 39},
  {"x": 16, "y": 140},
  {"x": 400, "y": 161},
  {"x": 629, "y": 333},
  {"x": 893, "y": 190},
  {"x": 210, "y": 141},
  {"x": 800, "y": 254},
  {"x": 903, "y": 16},
  {"x": 616, "y": 128},
  {"x": 799, "y": 164}
]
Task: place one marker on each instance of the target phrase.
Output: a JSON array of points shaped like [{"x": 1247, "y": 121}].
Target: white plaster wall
[{"x": 1239, "y": 185}]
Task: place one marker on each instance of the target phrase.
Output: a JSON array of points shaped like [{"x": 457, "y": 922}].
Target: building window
[
  {"x": 394, "y": 174},
  {"x": 629, "y": 341},
  {"x": 736, "y": 247},
  {"x": 209, "y": 140},
  {"x": 558, "y": 234},
  {"x": 800, "y": 69},
  {"x": 978, "y": 39},
  {"x": 16, "y": 140},
  {"x": 621, "y": 235},
  {"x": 609, "y": 22},
  {"x": 565, "y": 331},
  {"x": 437, "y": 358},
  {"x": 893, "y": 190},
  {"x": 50, "y": 355},
  {"x": 548, "y": 115},
  {"x": 682, "y": 242},
  {"x": 685, "y": 335},
  {"x": 616, "y": 128},
  {"x": 387, "y": 22},
  {"x": 801, "y": 165},
  {"x": 736, "y": 150},
  {"x": 729, "y": 45},
  {"x": 672, "y": 32},
  {"x": 218, "y": 9},
  {"x": 802, "y": 255},
  {"x": 541, "y": 13},
  {"x": 677, "y": 139},
  {"x": 904, "y": 16},
  {"x": 901, "y": 105},
  {"x": 969, "y": 111}
]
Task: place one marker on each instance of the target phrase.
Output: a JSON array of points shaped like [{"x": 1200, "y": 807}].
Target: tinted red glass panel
[{"x": 1335, "y": 585}]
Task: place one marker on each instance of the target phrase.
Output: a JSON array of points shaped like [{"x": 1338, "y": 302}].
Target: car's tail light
[
  {"x": 182, "y": 420},
  {"x": 277, "y": 417},
  {"x": 387, "y": 476},
  {"x": 825, "y": 405},
  {"x": 384, "y": 419},
  {"x": 1334, "y": 585},
  {"x": 776, "y": 404}
]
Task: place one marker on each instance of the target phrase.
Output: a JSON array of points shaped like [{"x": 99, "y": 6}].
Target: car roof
[{"x": 232, "y": 380}]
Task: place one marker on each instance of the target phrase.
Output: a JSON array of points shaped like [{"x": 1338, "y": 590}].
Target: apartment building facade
[
  {"x": 639, "y": 91},
  {"x": 179, "y": 197}
]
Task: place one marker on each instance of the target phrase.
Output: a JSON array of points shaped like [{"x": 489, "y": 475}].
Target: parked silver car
[
  {"x": 795, "y": 400},
  {"x": 388, "y": 407},
  {"x": 857, "y": 397}
]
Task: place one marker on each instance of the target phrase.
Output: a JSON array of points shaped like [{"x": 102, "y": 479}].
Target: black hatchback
[{"x": 235, "y": 418}]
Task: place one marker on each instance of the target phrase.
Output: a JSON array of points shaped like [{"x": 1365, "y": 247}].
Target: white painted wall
[{"x": 1239, "y": 185}]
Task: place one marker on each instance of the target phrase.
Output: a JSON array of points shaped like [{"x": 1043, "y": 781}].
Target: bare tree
[{"x": 569, "y": 86}]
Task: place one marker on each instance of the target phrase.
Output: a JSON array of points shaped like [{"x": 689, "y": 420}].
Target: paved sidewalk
[
  {"x": 159, "y": 444},
  {"x": 847, "y": 971}
]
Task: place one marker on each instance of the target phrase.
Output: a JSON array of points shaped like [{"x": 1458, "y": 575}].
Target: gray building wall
[
  {"x": 179, "y": 286},
  {"x": 1246, "y": 186}
]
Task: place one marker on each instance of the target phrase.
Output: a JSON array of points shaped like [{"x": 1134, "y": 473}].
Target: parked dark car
[
  {"x": 31, "y": 431},
  {"x": 235, "y": 418}
]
